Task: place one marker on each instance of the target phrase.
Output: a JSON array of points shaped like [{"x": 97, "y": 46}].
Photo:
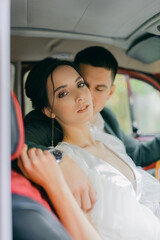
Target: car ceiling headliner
[
  {"x": 107, "y": 20},
  {"x": 114, "y": 22}
]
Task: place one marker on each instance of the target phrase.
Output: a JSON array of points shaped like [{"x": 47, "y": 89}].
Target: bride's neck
[{"x": 78, "y": 135}]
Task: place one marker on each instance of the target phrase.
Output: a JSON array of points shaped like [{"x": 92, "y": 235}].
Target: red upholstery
[
  {"x": 22, "y": 186},
  {"x": 18, "y": 116},
  {"x": 19, "y": 184}
]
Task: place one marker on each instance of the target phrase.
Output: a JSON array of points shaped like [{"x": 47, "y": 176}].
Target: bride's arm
[{"x": 42, "y": 169}]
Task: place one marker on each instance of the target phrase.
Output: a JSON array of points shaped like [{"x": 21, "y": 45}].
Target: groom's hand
[{"x": 78, "y": 183}]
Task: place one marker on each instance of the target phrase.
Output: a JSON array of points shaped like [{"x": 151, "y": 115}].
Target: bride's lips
[{"x": 83, "y": 108}]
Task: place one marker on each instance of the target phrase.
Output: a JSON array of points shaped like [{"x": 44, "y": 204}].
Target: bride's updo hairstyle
[{"x": 36, "y": 83}]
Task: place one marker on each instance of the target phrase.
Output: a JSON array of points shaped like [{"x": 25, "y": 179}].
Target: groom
[{"x": 98, "y": 67}]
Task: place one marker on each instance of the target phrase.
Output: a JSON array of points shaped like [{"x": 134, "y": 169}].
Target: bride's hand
[{"x": 40, "y": 167}]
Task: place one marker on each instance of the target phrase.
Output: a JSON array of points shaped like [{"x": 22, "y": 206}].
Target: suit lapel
[{"x": 108, "y": 129}]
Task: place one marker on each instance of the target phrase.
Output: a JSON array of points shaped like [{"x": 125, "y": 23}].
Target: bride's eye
[
  {"x": 81, "y": 84},
  {"x": 62, "y": 94}
]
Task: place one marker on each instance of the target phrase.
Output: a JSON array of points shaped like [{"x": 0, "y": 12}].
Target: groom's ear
[
  {"x": 112, "y": 90},
  {"x": 47, "y": 111}
]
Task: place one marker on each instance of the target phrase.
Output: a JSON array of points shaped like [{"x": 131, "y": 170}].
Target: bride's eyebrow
[
  {"x": 79, "y": 77},
  {"x": 63, "y": 86}
]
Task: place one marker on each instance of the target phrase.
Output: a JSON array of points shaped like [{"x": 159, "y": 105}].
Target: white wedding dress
[{"x": 123, "y": 210}]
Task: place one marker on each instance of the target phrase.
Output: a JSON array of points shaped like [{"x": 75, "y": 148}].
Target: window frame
[{"x": 151, "y": 79}]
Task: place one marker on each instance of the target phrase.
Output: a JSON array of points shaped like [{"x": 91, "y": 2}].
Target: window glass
[
  {"x": 146, "y": 106},
  {"x": 119, "y": 104},
  {"x": 27, "y": 101}
]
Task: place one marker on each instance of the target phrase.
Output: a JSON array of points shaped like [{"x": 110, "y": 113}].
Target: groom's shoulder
[
  {"x": 35, "y": 116},
  {"x": 108, "y": 115}
]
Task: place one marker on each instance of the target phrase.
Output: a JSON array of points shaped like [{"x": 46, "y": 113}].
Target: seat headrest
[{"x": 17, "y": 128}]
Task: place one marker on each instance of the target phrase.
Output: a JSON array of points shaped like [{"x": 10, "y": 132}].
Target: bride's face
[{"x": 72, "y": 99}]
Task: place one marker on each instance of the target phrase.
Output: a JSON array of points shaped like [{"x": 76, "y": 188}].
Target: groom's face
[{"x": 100, "y": 84}]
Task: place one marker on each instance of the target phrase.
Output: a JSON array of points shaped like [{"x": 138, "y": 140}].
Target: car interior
[
  {"x": 38, "y": 222},
  {"x": 59, "y": 29},
  {"x": 62, "y": 28},
  {"x": 130, "y": 30}
]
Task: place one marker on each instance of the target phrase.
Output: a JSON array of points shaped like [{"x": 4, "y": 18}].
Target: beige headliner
[{"x": 41, "y": 28}]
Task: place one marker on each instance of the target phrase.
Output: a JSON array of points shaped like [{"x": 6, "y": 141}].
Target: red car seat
[{"x": 32, "y": 215}]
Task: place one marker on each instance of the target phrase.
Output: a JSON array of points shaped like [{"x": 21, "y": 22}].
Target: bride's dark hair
[{"x": 36, "y": 83}]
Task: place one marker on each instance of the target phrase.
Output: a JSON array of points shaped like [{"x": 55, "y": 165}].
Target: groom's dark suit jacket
[{"x": 38, "y": 133}]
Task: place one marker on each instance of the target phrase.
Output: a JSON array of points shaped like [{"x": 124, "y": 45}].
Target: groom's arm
[
  {"x": 38, "y": 134},
  {"x": 142, "y": 154}
]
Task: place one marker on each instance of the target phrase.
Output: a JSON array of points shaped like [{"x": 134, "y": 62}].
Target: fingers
[
  {"x": 23, "y": 160},
  {"x": 93, "y": 197},
  {"x": 34, "y": 157},
  {"x": 88, "y": 198},
  {"x": 39, "y": 153},
  {"x": 86, "y": 201},
  {"x": 85, "y": 197},
  {"x": 28, "y": 159},
  {"x": 32, "y": 154},
  {"x": 24, "y": 155},
  {"x": 79, "y": 184},
  {"x": 49, "y": 155},
  {"x": 21, "y": 166}
]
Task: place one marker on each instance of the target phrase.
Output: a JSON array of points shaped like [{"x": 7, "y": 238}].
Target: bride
[{"x": 128, "y": 199}]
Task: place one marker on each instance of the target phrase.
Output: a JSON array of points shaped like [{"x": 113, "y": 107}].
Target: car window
[
  {"x": 135, "y": 103},
  {"x": 146, "y": 103},
  {"x": 119, "y": 103}
]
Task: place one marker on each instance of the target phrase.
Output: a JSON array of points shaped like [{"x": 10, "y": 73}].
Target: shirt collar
[{"x": 99, "y": 122}]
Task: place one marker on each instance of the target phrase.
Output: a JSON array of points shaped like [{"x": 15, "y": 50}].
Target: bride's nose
[{"x": 79, "y": 96}]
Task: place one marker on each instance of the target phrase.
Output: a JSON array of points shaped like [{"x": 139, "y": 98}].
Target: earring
[
  {"x": 56, "y": 153},
  {"x": 52, "y": 134}
]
